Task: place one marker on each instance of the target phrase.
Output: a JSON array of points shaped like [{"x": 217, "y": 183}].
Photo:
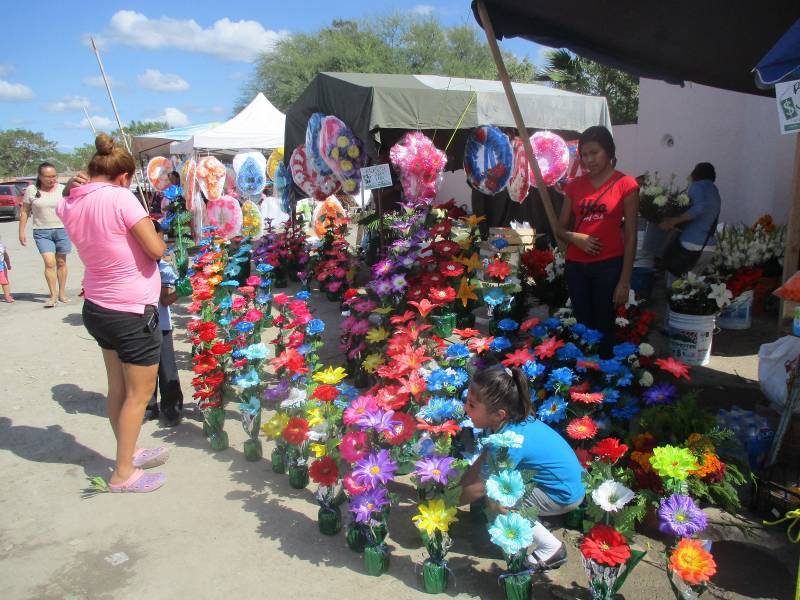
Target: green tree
[
  {"x": 391, "y": 44},
  {"x": 21, "y": 150},
  {"x": 571, "y": 72}
]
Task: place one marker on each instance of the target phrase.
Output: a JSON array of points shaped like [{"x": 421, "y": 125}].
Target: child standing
[
  {"x": 168, "y": 382},
  {"x": 499, "y": 401},
  {"x": 5, "y": 267}
]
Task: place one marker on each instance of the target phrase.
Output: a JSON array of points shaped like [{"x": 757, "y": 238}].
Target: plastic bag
[{"x": 776, "y": 361}]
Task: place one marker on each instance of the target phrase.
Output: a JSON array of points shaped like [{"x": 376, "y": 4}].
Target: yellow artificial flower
[
  {"x": 331, "y": 375},
  {"x": 214, "y": 280},
  {"x": 376, "y": 335},
  {"x": 383, "y": 310},
  {"x": 435, "y": 516},
  {"x": 342, "y": 141},
  {"x": 472, "y": 263},
  {"x": 346, "y": 165},
  {"x": 472, "y": 220},
  {"x": 466, "y": 292},
  {"x": 315, "y": 416},
  {"x": 216, "y": 267},
  {"x": 275, "y": 426},
  {"x": 319, "y": 450},
  {"x": 372, "y": 362}
]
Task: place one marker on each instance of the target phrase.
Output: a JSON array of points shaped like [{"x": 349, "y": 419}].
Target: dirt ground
[{"x": 225, "y": 527}]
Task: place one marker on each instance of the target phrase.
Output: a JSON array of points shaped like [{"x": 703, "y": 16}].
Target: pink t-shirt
[{"x": 118, "y": 273}]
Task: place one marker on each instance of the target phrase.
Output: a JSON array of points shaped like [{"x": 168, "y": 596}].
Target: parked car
[{"x": 11, "y": 194}]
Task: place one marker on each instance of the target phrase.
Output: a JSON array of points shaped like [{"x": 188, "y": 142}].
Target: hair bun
[{"x": 104, "y": 144}]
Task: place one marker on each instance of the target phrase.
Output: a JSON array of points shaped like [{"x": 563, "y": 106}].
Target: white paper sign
[
  {"x": 788, "y": 96},
  {"x": 379, "y": 176}
]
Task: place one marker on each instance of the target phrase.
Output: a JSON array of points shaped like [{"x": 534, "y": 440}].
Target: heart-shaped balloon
[
  {"x": 158, "y": 170},
  {"x": 552, "y": 154},
  {"x": 226, "y": 215},
  {"x": 211, "y": 175},
  {"x": 252, "y": 222},
  {"x": 314, "y": 184},
  {"x": 488, "y": 159}
]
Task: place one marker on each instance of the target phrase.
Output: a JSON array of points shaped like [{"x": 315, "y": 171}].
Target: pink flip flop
[
  {"x": 147, "y": 458},
  {"x": 138, "y": 483}
]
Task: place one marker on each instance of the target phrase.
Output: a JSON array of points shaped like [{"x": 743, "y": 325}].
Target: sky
[{"x": 180, "y": 62}]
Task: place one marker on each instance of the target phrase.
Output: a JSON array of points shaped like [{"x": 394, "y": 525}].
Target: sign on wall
[
  {"x": 379, "y": 176},
  {"x": 788, "y": 96}
]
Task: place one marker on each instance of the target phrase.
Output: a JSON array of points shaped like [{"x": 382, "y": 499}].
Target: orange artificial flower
[{"x": 692, "y": 563}]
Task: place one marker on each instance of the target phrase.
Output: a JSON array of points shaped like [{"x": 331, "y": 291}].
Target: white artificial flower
[
  {"x": 660, "y": 201},
  {"x": 612, "y": 495},
  {"x": 646, "y": 379},
  {"x": 646, "y": 349},
  {"x": 720, "y": 294},
  {"x": 622, "y": 322},
  {"x": 683, "y": 200},
  {"x": 297, "y": 398},
  {"x": 653, "y": 190},
  {"x": 570, "y": 321}
]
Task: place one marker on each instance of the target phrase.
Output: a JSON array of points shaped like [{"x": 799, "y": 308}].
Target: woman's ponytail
[{"x": 504, "y": 388}]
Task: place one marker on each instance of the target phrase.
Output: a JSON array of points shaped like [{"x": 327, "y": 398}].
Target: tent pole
[
  {"x": 523, "y": 131},
  {"x": 791, "y": 255}
]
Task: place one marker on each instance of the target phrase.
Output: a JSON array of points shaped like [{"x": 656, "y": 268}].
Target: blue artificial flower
[
  {"x": 592, "y": 337},
  {"x": 625, "y": 412},
  {"x": 303, "y": 295},
  {"x": 304, "y": 349},
  {"x": 237, "y": 353},
  {"x": 561, "y": 377},
  {"x": 579, "y": 329},
  {"x": 315, "y": 326},
  {"x": 251, "y": 407},
  {"x": 266, "y": 282},
  {"x": 247, "y": 380},
  {"x": 539, "y": 331},
  {"x": 245, "y": 250},
  {"x": 348, "y": 391},
  {"x": 533, "y": 369},
  {"x": 426, "y": 447},
  {"x": 457, "y": 351},
  {"x": 504, "y": 439},
  {"x": 499, "y": 344},
  {"x": 224, "y": 321},
  {"x": 230, "y": 283},
  {"x": 569, "y": 352},
  {"x": 506, "y": 488},
  {"x": 552, "y": 410},
  {"x": 440, "y": 409},
  {"x": 263, "y": 299},
  {"x": 495, "y": 297},
  {"x": 244, "y": 327},
  {"x": 436, "y": 380},
  {"x": 264, "y": 268},
  {"x": 225, "y": 303},
  {"x": 508, "y": 325},
  {"x": 456, "y": 377},
  {"x": 552, "y": 323},
  {"x": 232, "y": 270},
  {"x": 611, "y": 367},
  {"x": 256, "y": 351},
  {"x": 499, "y": 243},
  {"x": 624, "y": 350},
  {"x": 512, "y": 532},
  {"x": 610, "y": 396}
]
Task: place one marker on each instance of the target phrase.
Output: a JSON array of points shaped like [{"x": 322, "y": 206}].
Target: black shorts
[{"x": 136, "y": 338}]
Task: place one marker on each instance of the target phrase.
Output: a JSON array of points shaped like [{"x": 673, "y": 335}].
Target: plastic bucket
[
  {"x": 739, "y": 313},
  {"x": 690, "y": 337},
  {"x": 642, "y": 281}
]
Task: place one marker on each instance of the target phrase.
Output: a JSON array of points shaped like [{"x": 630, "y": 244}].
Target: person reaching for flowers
[{"x": 498, "y": 401}]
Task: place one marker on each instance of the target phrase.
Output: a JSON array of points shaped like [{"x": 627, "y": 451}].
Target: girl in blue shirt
[{"x": 499, "y": 401}]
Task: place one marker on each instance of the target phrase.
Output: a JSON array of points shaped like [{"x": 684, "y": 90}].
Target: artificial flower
[
  {"x": 583, "y": 428},
  {"x": 606, "y": 546},
  {"x": 466, "y": 292},
  {"x": 374, "y": 469},
  {"x": 553, "y": 410},
  {"x": 692, "y": 563},
  {"x": 498, "y": 268},
  {"x": 358, "y": 408},
  {"x": 517, "y": 358},
  {"x": 547, "y": 348},
  {"x": 326, "y": 393},
  {"x": 512, "y": 533},
  {"x": 330, "y": 375},
  {"x": 376, "y": 335},
  {"x": 472, "y": 263},
  {"x": 435, "y": 468},
  {"x": 609, "y": 450},
  {"x": 324, "y": 471},
  {"x": 466, "y": 333},
  {"x": 660, "y": 394},
  {"x": 435, "y": 516},
  {"x": 354, "y": 446},
  {"x": 372, "y": 362},
  {"x": 296, "y": 430},
  {"x": 402, "y": 427},
  {"x": 275, "y": 426},
  {"x": 506, "y": 488},
  {"x": 367, "y": 503},
  {"x": 612, "y": 495},
  {"x": 675, "y": 463},
  {"x": 424, "y": 306},
  {"x": 586, "y": 397},
  {"x": 680, "y": 516},
  {"x": 674, "y": 367}
]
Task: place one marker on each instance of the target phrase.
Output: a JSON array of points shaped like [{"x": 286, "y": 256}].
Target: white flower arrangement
[
  {"x": 658, "y": 201},
  {"x": 698, "y": 295}
]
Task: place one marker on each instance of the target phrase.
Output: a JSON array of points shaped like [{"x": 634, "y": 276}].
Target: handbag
[{"x": 678, "y": 260}]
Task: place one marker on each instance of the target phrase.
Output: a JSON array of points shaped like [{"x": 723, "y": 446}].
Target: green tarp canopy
[{"x": 379, "y": 108}]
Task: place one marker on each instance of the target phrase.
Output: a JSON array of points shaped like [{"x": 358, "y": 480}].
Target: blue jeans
[
  {"x": 591, "y": 290},
  {"x": 52, "y": 240}
]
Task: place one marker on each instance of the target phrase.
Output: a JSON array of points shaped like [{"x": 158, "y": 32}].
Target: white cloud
[
  {"x": 214, "y": 110},
  {"x": 14, "y": 91},
  {"x": 97, "y": 81},
  {"x": 423, "y": 9},
  {"x": 230, "y": 40},
  {"x": 70, "y": 103},
  {"x": 100, "y": 123},
  {"x": 153, "y": 79},
  {"x": 173, "y": 116}
]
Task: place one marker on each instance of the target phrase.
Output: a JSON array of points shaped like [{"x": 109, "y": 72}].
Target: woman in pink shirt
[{"x": 119, "y": 247}]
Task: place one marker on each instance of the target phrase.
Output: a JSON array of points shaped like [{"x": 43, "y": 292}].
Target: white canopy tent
[
  {"x": 258, "y": 126},
  {"x": 158, "y": 143}
]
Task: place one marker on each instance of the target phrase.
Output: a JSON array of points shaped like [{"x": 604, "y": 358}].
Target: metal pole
[
  {"x": 119, "y": 121},
  {"x": 89, "y": 120}
]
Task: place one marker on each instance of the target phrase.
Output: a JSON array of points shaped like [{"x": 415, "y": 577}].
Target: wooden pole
[
  {"x": 791, "y": 255},
  {"x": 555, "y": 226}
]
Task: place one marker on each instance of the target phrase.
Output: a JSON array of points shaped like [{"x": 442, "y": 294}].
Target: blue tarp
[{"x": 782, "y": 62}]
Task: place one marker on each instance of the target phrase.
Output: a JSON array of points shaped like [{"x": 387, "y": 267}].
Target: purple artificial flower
[
  {"x": 382, "y": 287},
  {"x": 364, "y": 505},
  {"x": 409, "y": 261},
  {"x": 278, "y": 393},
  {"x": 399, "y": 283},
  {"x": 401, "y": 245},
  {"x": 680, "y": 516},
  {"x": 379, "y": 420},
  {"x": 382, "y": 268},
  {"x": 660, "y": 393},
  {"x": 375, "y": 469},
  {"x": 435, "y": 468}
]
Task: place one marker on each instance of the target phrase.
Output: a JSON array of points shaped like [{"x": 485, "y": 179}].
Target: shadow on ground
[{"x": 75, "y": 400}]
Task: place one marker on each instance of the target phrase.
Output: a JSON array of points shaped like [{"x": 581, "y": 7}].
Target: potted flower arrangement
[
  {"x": 658, "y": 201},
  {"x": 773, "y": 238},
  {"x": 542, "y": 275}
]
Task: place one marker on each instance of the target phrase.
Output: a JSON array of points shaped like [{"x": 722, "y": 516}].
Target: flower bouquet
[
  {"x": 542, "y": 274},
  {"x": 658, "y": 201},
  {"x": 698, "y": 295}
]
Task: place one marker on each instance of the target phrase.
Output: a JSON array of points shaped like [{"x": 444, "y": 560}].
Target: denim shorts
[
  {"x": 52, "y": 240},
  {"x": 135, "y": 338}
]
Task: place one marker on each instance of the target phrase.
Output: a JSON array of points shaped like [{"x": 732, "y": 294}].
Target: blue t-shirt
[
  {"x": 168, "y": 279},
  {"x": 704, "y": 211},
  {"x": 558, "y": 471}
]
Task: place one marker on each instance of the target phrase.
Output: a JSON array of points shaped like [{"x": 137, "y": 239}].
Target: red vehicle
[{"x": 11, "y": 194}]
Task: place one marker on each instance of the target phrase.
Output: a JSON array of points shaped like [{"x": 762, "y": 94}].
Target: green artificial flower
[{"x": 672, "y": 462}]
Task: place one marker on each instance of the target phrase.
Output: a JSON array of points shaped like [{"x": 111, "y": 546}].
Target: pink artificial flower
[
  {"x": 253, "y": 280},
  {"x": 353, "y": 488},
  {"x": 253, "y": 315},
  {"x": 354, "y": 446},
  {"x": 238, "y": 302},
  {"x": 360, "y": 327}
]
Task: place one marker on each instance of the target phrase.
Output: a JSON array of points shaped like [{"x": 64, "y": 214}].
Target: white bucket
[
  {"x": 739, "y": 313},
  {"x": 690, "y": 337}
]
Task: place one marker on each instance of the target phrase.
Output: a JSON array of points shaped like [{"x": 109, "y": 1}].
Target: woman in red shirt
[{"x": 598, "y": 218}]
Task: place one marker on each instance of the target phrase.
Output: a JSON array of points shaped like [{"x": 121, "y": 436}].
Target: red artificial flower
[
  {"x": 583, "y": 457},
  {"x": 587, "y": 364},
  {"x": 480, "y": 344},
  {"x": 402, "y": 428},
  {"x": 412, "y": 331},
  {"x": 389, "y": 397},
  {"x": 204, "y": 363},
  {"x": 583, "y": 428},
  {"x": 220, "y": 348},
  {"x": 207, "y": 331},
  {"x": 326, "y": 393},
  {"x": 442, "y": 295},
  {"x": 466, "y": 333},
  {"x": 606, "y": 546},
  {"x": 446, "y": 247},
  {"x": 451, "y": 269},
  {"x": 586, "y": 397},
  {"x": 517, "y": 358},
  {"x": 324, "y": 471},
  {"x": 499, "y": 269},
  {"x": 548, "y": 347},
  {"x": 292, "y": 360},
  {"x": 529, "y": 323},
  {"x": 609, "y": 450},
  {"x": 400, "y": 319},
  {"x": 447, "y": 428},
  {"x": 412, "y": 359},
  {"x": 253, "y": 315},
  {"x": 295, "y": 431},
  {"x": 280, "y": 299},
  {"x": 414, "y": 385},
  {"x": 674, "y": 367},
  {"x": 424, "y": 306}
]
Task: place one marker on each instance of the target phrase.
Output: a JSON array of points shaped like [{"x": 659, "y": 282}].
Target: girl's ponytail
[
  {"x": 524, "y": 392},
  {"x": 503, "y": 388}
]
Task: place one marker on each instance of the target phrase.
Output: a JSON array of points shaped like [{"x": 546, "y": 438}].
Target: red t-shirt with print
[{"x": 599, "y": 213}]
